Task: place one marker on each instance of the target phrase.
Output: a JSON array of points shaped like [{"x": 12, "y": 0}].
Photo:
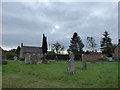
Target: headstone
[
  {"x": 71, "y": 64},
  {"x": 34, "y": 59},
  {"x": 27, "y": 58},
  {"x": 15, "y": 58},
  {"x": 56, "y": 58},
  {"x": 84, "y": 64},
  {"x": 102, "y": 60},
  {"x": 110, "y": 59},
  {"x": 4, "y": 59}
]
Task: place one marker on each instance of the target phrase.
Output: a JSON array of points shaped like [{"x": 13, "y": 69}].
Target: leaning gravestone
[
  {"x": 84, "y": 64},
  {"x": 27, "y": 58},
  {"x": 15, "y": 58},
  {"x": 34, "y": 59},
  {"x": 71, "y": 64}
]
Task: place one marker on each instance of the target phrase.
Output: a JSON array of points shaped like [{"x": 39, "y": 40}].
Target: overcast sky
[{"x": 26, "y": 22}]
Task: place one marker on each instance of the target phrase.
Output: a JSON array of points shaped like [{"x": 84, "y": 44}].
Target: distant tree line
[{"x": 76, "y": 45}]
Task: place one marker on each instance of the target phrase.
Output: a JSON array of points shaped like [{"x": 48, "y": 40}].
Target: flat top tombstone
[
  {"x": 4, "y": 57},
  {"x": 34, "y": 59},
  {"x": 71, "y": 64},
  {"x": 27, "y": 58}
]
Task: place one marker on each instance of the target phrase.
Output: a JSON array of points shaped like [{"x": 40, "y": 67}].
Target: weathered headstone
[
  {"x": 4, "y": 59},
  {"x": 102, "y": 60},
  {"x": 56, "y": 58},
  {"x": 71, "y": 64},
  {"x": 27, "y": 58},
  {"x": 110, "y": 59},
  {"x": 34, "y": 59},
  {"x": 84, "y": 64},
  {"x": 15, "y": 58}
]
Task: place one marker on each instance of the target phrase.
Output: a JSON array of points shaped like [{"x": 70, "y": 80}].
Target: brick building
[
  {"x": 92, "y": 57},
  {"x": 117, "y": 51}
]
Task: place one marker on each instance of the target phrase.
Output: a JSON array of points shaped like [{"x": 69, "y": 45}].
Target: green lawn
[{"x": 54, "y": 75}]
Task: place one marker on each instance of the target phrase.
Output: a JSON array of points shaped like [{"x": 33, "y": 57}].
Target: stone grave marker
[
  {"x": 71, "y": 64},
  {"x": 56, "y": 58},
  {"x": 15, "y": 58},
  {"x": 84, "y": 64},
  {"x": 110, "y": 59},
  {"x": 4, "y": 59},
  {"x": 102, "y": 61},
  {"x": 34, "y": 59},
  {"x": 27, "y": 58}
]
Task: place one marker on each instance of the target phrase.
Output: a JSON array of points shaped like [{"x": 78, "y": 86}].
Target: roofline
[{"x": 117, "y": 45}]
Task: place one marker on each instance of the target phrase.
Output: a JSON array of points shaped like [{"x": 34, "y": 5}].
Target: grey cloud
[{"x": 30, "y": 20}]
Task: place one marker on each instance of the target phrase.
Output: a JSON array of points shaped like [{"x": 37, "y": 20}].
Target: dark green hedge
[
  {"x": 61, "y": 57},
  {"x": 11, "y": 55}
]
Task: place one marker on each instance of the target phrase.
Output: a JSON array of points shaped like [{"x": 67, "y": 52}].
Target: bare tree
[
  {"x": 57, "y": 47},
  {"x": 91, "y": 43}
]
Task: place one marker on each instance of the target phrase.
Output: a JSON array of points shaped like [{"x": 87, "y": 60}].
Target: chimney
[{"x": 21, "y": 44}]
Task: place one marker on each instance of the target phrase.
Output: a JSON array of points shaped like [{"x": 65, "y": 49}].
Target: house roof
[
  {"x": 31, "y": 49},
  {"x": 117, "y": 45}
]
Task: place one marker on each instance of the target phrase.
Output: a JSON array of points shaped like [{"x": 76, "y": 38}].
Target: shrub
[
  {"x": 103, "y": 58},
  {"x": 11, "y": 55},
  {"x": 78, "y": 57},
  {"x": 51, "y": 56},
  {"x": 62, "y": 56},
  {"x": 58, "y": 56}
]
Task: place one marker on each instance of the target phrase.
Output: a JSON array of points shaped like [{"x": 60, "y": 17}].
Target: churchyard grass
[{"x": 55, "y": 75}]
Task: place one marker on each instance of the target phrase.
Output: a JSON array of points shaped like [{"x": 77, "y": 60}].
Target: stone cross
[
  {"x": 27, "y": 58},
  {"x": 34, "y": 59},
  {"x": 15, "y": 58},
  {"x": 84, "y": 64},
  {"x": 71, "y": 64}
]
